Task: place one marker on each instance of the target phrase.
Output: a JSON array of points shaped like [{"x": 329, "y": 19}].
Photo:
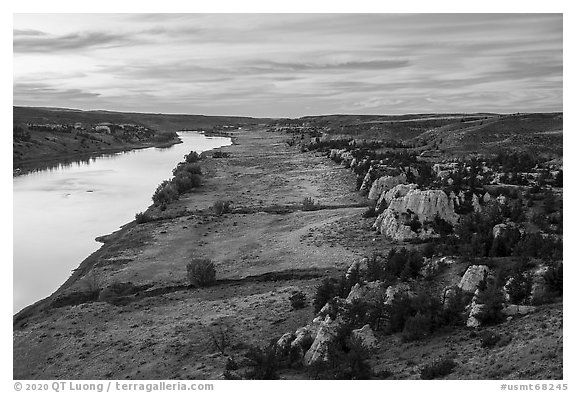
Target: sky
[{"x": 290, "y": 65}]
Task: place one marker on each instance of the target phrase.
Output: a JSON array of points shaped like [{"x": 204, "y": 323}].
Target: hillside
[{"x": 49, "y": 136}]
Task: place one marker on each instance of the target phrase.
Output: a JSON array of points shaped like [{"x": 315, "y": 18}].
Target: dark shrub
[
  {"x": 221, "y": 207},
  {"x": 416, "y": 327},
  {"x": 489, "y": 339},
  {"x": 192, "y": 157},
  {"x": 492, "y": 299},
  {"x": 142, "y": 218},
  {"x": 554, "y": 279},
  {"x": 439, "y": 368},
  {"x": 375, "y": 268},
  {"x": 520, "y": 287},
  {"x": 324, "y": 292},
  {"x": 263, "y": 363},
  {"x": 298, "y": 300},
  {"x": 309, "y": 204},
  {"x": 187, "y": 167},
  {"x": 201, "y": 272},
  {"x": 165, "y": 193},
  {"x": 185, "y": 181},
  {"x": 220, "y": 154}
]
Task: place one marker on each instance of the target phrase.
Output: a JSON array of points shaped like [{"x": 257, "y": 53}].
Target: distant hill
[
  {"x": 539, "y": 133},
  {"x": 158, "y": 121}
]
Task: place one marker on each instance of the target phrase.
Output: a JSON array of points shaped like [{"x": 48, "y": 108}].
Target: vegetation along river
[{"x": 58, "y": 212}]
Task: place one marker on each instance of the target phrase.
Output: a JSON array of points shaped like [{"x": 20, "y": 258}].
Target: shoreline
[
  {"x": 38, "y": 164},
  {"x": 88, "y": 262}
]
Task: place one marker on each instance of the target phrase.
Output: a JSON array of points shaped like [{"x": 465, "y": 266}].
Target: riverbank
[{"x": 22, "y": 167}]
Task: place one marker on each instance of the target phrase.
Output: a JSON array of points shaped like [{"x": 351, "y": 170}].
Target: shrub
[
  {"x": 221, "y": 207},
  {"x": 375, "y": 268},
  {"x": 324, "y": 292},
  {"x": 308, "y": 204},
  {"x": 192, "y": 157},
  {"x": 201, "y": 272},
  {"x": 520, "y": 287},
  {"x": 185, "y": 181},
  {"x": 263, "y": 363},
  {"x": 439, "y": 368},
  {"x": 187, "y": 167},
  {"x": 298, "y": 300},
  {"x": 489, "y": 339},
  {"x": 220, "y": 154},
  {"x": 142, "y": 218},
  {"x": 492, "y": 299},
  {"x": 416, "y": 327},
  {"x": 221, "y": 338},
  {"x": 370, "y": 212},
  {"x": 165, "y": 193},
  {"x": 554, "y": 279}
]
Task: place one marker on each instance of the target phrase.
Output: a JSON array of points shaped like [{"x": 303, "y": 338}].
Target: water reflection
[{"x": 59, "y": 211}]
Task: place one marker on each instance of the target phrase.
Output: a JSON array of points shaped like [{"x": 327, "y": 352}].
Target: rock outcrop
[
  {"x": 426, "y": 204},
  {"x": 397, "y": 191},
  {"x": 320, "y": 349},
  {"x": 390, "y": 225},
  {"x": 365, "y": 337},
  {"x": 473, "y": 276},
  {"x": 384, "y": 184}
]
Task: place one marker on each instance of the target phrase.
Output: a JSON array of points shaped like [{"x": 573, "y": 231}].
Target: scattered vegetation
[
  {"x": 437, "y": 369},
  {"x": 201, "y": 272},
  {"x": 298, "y": 300},
  {"x": 221, "y": 207}
]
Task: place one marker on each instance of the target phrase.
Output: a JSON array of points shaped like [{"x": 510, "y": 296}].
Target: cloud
[
  {"x": 48, "y": 93},
  {"x": 28, "y": 32},
  {"x": 43, "y": 43}
]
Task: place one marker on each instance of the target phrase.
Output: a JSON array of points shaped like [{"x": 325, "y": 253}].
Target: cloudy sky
[{"x": 289, "y": 65}]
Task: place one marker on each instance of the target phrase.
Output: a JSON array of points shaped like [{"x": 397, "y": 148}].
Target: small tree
[
  {"x": 221, "y": 207},
  {"x": 201, "y": 272}
]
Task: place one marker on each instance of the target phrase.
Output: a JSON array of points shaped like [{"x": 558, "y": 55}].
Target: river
[{"x": 59, "y": 211}]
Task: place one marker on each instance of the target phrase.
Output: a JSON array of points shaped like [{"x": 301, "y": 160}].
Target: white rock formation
[
  {"x": 426, "y": 204},
  {"x": 473, "y": 276},
  {"x": 370, "y": 292},
  {"x": 389, "y": 225},
  {"x": 320, "y": 349},
  {"x": 393, "y": 291},
  {"x": 397, "y": 191},
  {"x": 384, "y": 184},
  {"x": 366, "y": 337}
]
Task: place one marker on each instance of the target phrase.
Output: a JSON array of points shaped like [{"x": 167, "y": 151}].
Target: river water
[{"x": 59, "y": 211}]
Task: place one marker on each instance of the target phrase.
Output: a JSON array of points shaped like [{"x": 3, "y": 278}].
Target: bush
[
  {"x": 263, "y": 363},
  {"x": 308, "y": 204},
  {"x": 375, "y": 268},
  {"x": 192, "y": 157},
  {"x": 221, "y": 207},
  {"x": 554, "y": 279},
  {"x": 324, "y": 292},
  {"x": 165, "y": 193},
  {"x": 142, "y": 218},
  {"x": 489, "y": 339},
  {"x": 520, "y": 287},
  {"x": 492, "y": 299},
  {"x": 416, "y": 327},
  {"x": 201, "y": 272},
  {"x": 439, "y": 368},
  {"x": 298, "y": 300},
  {"x": 220, "y": 154}
]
